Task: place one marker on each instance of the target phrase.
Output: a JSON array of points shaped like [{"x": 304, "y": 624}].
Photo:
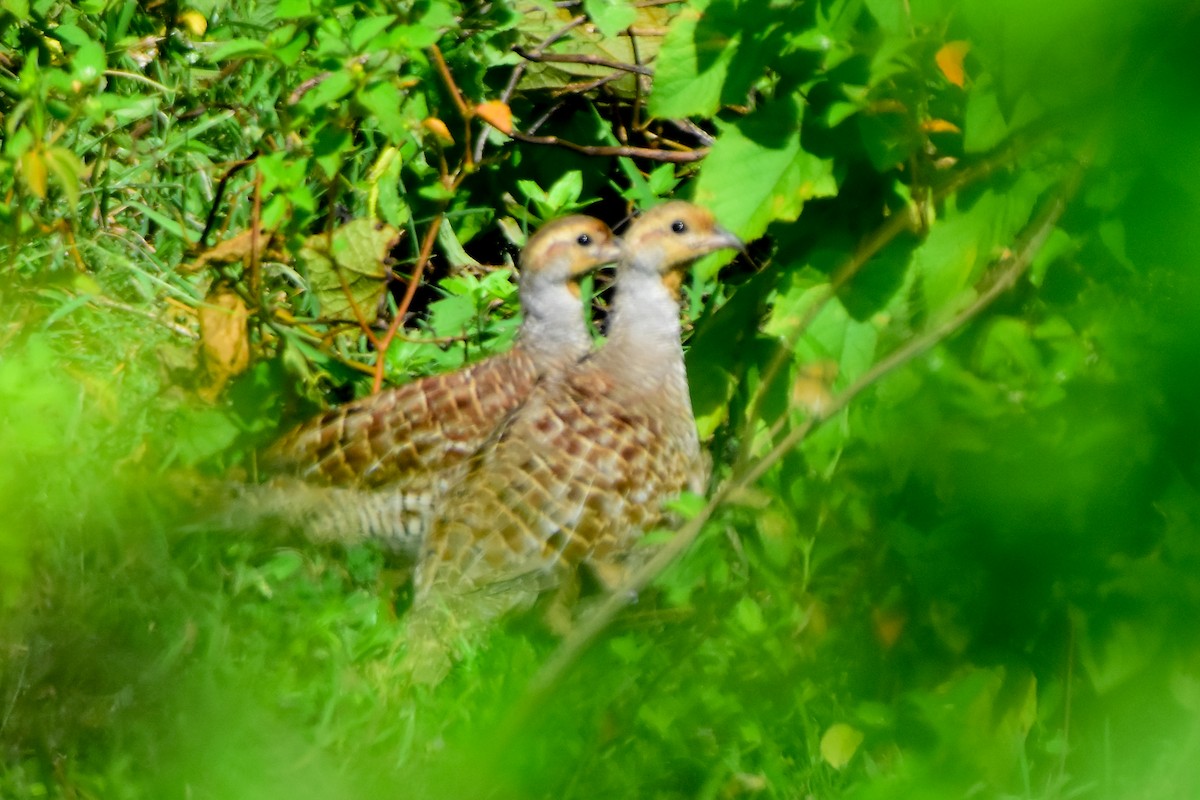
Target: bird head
[
  {"x": 671, "y": 236},
  {"x": 569, "y": 248}
]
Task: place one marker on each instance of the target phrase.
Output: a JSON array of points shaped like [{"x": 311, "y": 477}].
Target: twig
[
  {"x": 599, "y": 618},
  {"x": 359, "y": 316},
  {"x": 464, "y": 111},
  {"x": 867, "y": 249},
  {"x": 409, "y": 291},
  {"x": 255, "y": 274},
  {"x": 649, "y": 153},
  {"x": 519, "y": 70},
  {"x": 222, "y": 185},
  {"x": 594, "y": 61},
  {"x": 584, "y": 88}
]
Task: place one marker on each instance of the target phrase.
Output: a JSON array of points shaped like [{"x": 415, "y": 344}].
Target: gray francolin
[
  {"x": 374, "y": 468},
  {"x": 582, "y": 469}
]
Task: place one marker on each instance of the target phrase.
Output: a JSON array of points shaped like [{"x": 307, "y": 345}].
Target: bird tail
[{"x": 288, "y": 508}]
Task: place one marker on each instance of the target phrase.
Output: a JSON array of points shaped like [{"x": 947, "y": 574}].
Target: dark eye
[
  {"x": 678, "y": 226},
  {"x": 584, "y": 239}
]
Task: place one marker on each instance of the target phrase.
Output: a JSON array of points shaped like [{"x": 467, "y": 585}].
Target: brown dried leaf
[
  {"x": 224, "y": 339},
  {"x": 234, "y": 250}
]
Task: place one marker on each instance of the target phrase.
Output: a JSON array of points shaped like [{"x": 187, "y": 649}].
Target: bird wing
[{"x": 405, "y": 437}]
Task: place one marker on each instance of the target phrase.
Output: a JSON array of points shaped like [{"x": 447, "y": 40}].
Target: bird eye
[
  {"x": 678, "y": 226},
  {"x": 584, "y": 239}
]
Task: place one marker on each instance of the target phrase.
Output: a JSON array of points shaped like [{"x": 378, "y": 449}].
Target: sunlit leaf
[
  {"x": 610, "y": 16},
  {"x": 839, "y": 743},
  {"x": 497, "y": 114},
  {"x": 33, "y": 171},
  {"x": 438, "y": 129},
  {"x": 238, "y": 48},
  {"x": 350, "y": 272},
  {"x": 693, "y": 66},
  {"x": 765, "y": 145},
  {"x": 193, "y": 22},
  {"x": 67, "y": 170},
  {"x": 949, "y": 59}
]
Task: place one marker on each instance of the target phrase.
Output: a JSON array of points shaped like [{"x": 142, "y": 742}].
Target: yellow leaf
[
  {"x": 193, "y": 21},
  {"x": 497, "y": 114},
  {"x": 839, "y": 744},
  {"x": 950, "y": 61},
  {"x": 67, "y": 170},
  {"x": 224, "y": 339},
  {"x": 438, "y": 129},
  {"x": 939, "y": 126},
  {"x": 33, "y": 170}
]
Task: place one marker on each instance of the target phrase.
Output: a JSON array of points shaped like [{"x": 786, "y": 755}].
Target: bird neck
[
  {"x": 643, "y": 329},
  {"x": 552, "y": 328}
]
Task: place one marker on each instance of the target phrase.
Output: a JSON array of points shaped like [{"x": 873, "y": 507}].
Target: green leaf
[
  {"x": 367, "y": 29},
  {"x": 127, "y": 109},
  {"x": 722, "y": 344},
  {"x": 238, "y": 48},
  {"x": 88, "y": 63},
  {"x": 292, "y": 9},
  {"x": 985, "y": 122},
  {"x": 749, "y": 615},
  {"x": 692, "y": 66},
  {"x": 354, "y": 262},
  {"x": 565, "y": 192},
  {"x": 18, "y": 8},
  {"x": 968, "y": 238},
  {"x": 67, "y": 170},
  {"x": 384, "y": 103},
  {"x": 839, "y": 743},
  {"x": 453, "y": 316},
  {"x": 452, "y": 248},
  {"x": 758, "y": 172},
  {"x": 610, "y": 16},
  {"x": 393, "y": 208},
  {"x": 334, "y": 87},
  {"x": 291, "y": 48},
  {"x": 201, "y": 433},
  {"x": 329, "y": 146}
]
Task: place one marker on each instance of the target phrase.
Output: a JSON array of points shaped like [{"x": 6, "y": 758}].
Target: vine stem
[
  {"x": 409, "y": 292},
  {"x": 999, "y": 280},
  {"x": 892, "y": 227}
]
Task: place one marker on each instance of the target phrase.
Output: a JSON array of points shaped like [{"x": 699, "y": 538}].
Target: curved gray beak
[{"x": 723, "y": 238}]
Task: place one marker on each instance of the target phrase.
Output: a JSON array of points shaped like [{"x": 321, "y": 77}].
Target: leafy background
[{"x": 973, "y": 264}]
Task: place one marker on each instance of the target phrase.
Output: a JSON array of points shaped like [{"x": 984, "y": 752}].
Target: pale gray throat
[
  {"x": 644, "y": 331},
  {"x": 552, "y": 328}
]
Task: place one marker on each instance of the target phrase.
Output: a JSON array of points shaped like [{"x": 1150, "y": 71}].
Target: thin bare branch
[
  {"x": 593, "y": 623},
  {"x": 409, "y": 291},
  {"x": 892, "y": 227},
  {"x": 648, "y": 153},
  {"x": 596, "y": 61}
]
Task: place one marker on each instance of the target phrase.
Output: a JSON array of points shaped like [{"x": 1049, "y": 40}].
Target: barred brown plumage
[
  {"x": 374, "y": 468},
  {"x": 579, "y": 472}
]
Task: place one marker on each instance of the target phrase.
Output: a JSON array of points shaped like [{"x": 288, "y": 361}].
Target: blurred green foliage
[{"x": 980, "y": 578}]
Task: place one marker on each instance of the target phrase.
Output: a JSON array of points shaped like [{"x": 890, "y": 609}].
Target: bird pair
[{"x": 505, "y": 477}]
